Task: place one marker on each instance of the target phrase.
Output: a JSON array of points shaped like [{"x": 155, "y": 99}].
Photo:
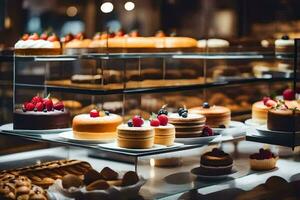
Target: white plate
[
  {"x": 265, "y": 131},
  {"x": 114, "y": 146},
  {"x": 68, "y": 135},
  {"x": 195, "y": 171},
  {"x": 235, "y": 127},
  {"x": 10, "y": 128},
  {"x": 197, "y": 140},
  {"x": 250, "y": 122}
]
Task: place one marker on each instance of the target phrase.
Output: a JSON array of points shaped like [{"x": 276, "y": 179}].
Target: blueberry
[
  {"x": 180, "y": 111},
  {"x": 107, "y": 113},
  {"x": 184, "y": 114},
  {"x": 205, "y": 105},
  {"x": 222, "y": 126},
  {"x": 129, "y": 123},
  {"x": 162, "y": 112},
  {"x": 45, "y": 110},
  {"x": 24, "y": 109},
  {"x": 285, "y": 37},
  {"x": 35, "y": 109}
]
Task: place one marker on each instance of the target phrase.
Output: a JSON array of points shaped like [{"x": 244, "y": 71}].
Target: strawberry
[
  {"x": 265, "y": 99},
  {"x": 53, "y": 38},
  {"x": 120, "y": 33},
  {"x": 59, "y": 105},
  {"x": 48, "y": 104},
  {"x": 207, "y": 131},
  {"x": 34, "y": 36},
  {"x": 288, "y": 94},
  {"x": 39, "y": 106},
  {"x": 36, "y": 99},
  {"x": 154, "y": 122},
  {"x": 163, "y": 119},
  {"x": 68, "y": 38},
  {"x": 44, "y": 36},
  {"x": 270, "y": 103},
  {"x": 112, "y": 35},
  {"x": 134, "y": 34},
  {"x": 137, "y": 121},
  {"x": 79, "y": 36},
  {"x": 29, "y": 106},
  {"x": 94, "y": 113},
  {"x": 25, "y": 37}
]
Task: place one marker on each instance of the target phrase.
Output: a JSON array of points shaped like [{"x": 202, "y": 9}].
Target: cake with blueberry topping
[
  {"x": 41, "y": 114},
  {"x": 98, "y": 125},
  {"x": 284, "y": 45},
  {"x": 216, "y": 116},
  {"x": 135, "y": 134},
  {"x": 34, "y": 44},
  {"x": 216, "y": 162},
  {"x": 187, "y": 125},
  {"x": 264, "y": 160},
  {"x": 164, "y": 132}
]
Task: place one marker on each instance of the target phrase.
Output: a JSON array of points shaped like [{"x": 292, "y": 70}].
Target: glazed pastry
[
  {"x": 71, "y": 180},
  {"x": 130, "y": 178},
  {"x": 187, "y": 125},
  {"x": 264, "y": 160},
  {"x": 91, "y": 176},
  {"x": 216, "y": 116},
  {"x": 41, "y": 114},
  {"x": 108, "y": 174},
  {"x": 135, "y": 134},
  {"x": 216, "y": 162},
  {"x": 96, "y": 125},
  {"x": 38, "y": 45}
]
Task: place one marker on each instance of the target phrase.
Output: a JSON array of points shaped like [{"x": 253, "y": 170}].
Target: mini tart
[
  {"x": 135, "y": 137},
  {"x": 103, "y": 127},
  {"x": 283, "y": 120},
  {"x": 164, "y": 135},
  {"x": 216, "y": 116},
  {"x": 260, "y": 112},
  {"x": 37, "y": 47},
  {"x": 262, "y": 165}
]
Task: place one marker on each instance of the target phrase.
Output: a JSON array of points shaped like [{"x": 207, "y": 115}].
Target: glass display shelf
[
  {"x": 174, "y": 55},
  {"x": 104, "y": 90}
]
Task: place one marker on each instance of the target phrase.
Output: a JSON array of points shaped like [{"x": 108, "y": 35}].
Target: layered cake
[
  {"x": 216, "y": 116},
  {"x": 260, "y": 111},
  {"x": 215, "y": 162},
  {"x": 38, "y": 45},
  {"x": 41, "y": 114},
  {"x": 284, "y": 119},
  {"x": 187, "y": 125},
  {"x": 264, "y": 160},
  {"x": 135, "y": 134},
  {"x": 284, "y": 45},
  {"x": 163, "y": 131},
  {"x": 96, "y": 125}
]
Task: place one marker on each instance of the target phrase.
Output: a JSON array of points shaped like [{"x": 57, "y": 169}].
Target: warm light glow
[
  {"x": 7, "y": 22},
  {"x": 129, "y": 6},
  {"x": 107, "y": 7},
  {"x": 71, "y": 11}
]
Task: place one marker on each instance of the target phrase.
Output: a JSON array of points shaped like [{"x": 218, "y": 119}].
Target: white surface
[
  {"x": 69, "y": 136},
  {"x": 10, "y": 128},
  {"x": 197, "y": 140},
  {"x": 250, "y": 122}
]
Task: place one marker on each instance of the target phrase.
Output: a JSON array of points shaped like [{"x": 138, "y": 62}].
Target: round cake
[
  {"x": 41, "y": 114},
  {"x": 135, "y": 137},
  {"x": 260, "y": 112},
  {"x": 187, "y": 125},
  {"x": 216, "y": 162},
  {"x": 264, "y": 160},
  {"x": 164, "y": 135},
  {"x": 96, "y": 126},
  {"x": 38, "y": 45},
  {"x": 284, "y": 45},
  {"x": 287, "y": 120},
  {"x": 216, "y": 116}
]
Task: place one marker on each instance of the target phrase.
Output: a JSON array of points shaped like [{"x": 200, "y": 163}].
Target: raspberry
[
  {"x": 270, "y": 103},
  {"x": 94, "y": 113},
  {"x": 36, "y": 99},
  {"x": 59, "y": 106},
  {"x": 288, "y": 94},
  {"x": 163, "y": 119},
  {"x": 137, "y": 121},
  {"x": 154, "y": 122},
  {"x": 265, "y": 99},
  {"x": 207, "y": 131},
  {"x": 48, "y": 104},
  {"x": 29, "y": 106},
  {"x": 39, "y": 106}
]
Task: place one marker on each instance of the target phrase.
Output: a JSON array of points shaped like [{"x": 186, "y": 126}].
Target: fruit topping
[
  {"x": 79, "y": 36},
  {"x": 184, "y": 115},
  {"x": 265, "y": 99},
  {"x": 34, "y": 36},
  {"x": 163, "y": 110},
  {"x": 263, "y": 154},
  {"x": 59, "y": 106},
  {"x": 120, "y": 33},
  {"x": 154, "y": 122},
  {"x": 270, "y": 103},
  {"x": 217, "y": 152},
  {"x": 206, "y": 105},
  {"x": 53, "y": 38},
  {"x": 39, "y": 106},
  {"x": 129, "y": 123},
  {"x": 163, "y": 119},
  {"x": 285, "y": 37},
  {"x": 160, "y": 34},
  {"x": 44, "y": 36},
  {"x": 94, "y": 113},
  {"x": 48, "y": 103},
  {"x": 134, "y": 33},
  {"x": 36, "y": 99},
  {"x": 137, "y": 121},
  {"x": 183, "y": 112},
  {"x": 288, "y": 94},
  {"x": 29, "y": 106},
  {"x": 207, "y": 131},
  {"x": 68, "y": 38},
  {"x": 106, "y": 112},
  {"x": 25, "y": 37}
]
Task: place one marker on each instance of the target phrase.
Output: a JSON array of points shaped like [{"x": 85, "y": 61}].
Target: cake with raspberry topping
[
  {"x": 216, "y": 162},
  {"x": 44, "y": 44},
  {"x": 96, "y": 125},
  {"x": 135, "y": 134},
  {"x": 41, "y": 114},
  {"x": 264, "y": 160},
  {"x": 216, "y": 116},
  {"x": 187, "y": 125},
  {"x": 164, "y": 132},
  {"x": 260, "y": 110}
]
